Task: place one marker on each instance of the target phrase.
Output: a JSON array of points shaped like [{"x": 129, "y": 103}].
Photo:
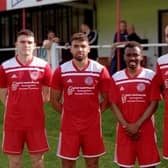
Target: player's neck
[
  {"x": 24, "y": 59},
  {"x": 134, "y": 72},
  {"x": 81, "y": 64}
]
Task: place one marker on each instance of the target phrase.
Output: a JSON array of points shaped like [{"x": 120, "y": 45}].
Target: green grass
[{"x": 108, "y": 124}]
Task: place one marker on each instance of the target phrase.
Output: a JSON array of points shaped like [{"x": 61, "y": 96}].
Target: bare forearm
[
  {"x": 55, "y": 100},
  {"x": 147, "y": 114},
  {"x": 104, "y": 102},
  {"x": 119, "y": 115},
  {"x": 46, "y": 94},
  {"x": 57, "y": 106},
  {"x": 3, "y": 95}
]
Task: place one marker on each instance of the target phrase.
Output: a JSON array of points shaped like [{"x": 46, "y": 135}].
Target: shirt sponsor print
[
  {"x": 70, "y": 90},
  {"x": 14, "y": 86}
]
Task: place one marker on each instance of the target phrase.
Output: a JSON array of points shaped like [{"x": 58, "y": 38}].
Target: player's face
[
  {"x": 133, "y": 57},
  {"x": 80, "y": 50},
  {"x": 25, "y": 45}
]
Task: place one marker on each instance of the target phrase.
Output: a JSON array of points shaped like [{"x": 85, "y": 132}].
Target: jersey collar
[
  {"x": 27, "y": 63},
  {"x": 134, "y": 75},
  {"x": 81, "y": 69}
]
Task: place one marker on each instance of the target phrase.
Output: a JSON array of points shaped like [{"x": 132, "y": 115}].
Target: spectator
[
  {"x": 132, "y": 35},
  {"x": 51, "y": 38},
  {"x": 123, "y": 37},
  {"x": 93, "y": 40}
]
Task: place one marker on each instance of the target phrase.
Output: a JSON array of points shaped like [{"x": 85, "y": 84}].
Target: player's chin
[
  {"x": 132, "y": 66},
  {"x": 79, "y": 57}
]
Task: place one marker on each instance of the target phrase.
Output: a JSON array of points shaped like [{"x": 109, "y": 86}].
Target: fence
[{"x": 58, "y": 52}]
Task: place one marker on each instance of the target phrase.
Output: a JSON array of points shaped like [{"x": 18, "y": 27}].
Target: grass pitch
[{"x": 108, "y": 124}]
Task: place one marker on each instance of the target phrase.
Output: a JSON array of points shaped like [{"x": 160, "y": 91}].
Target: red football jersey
[
  {"x": 162, "y": 73},
  {"x": 162, "y": 79},
  {"x": 24, "y": 105},
  {"x": 134, "y": 94},
  {"x": 81, "y": 90}
]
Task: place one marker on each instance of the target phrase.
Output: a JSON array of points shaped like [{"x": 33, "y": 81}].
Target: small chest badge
[
  {"x": 141, "y": 87},
  {"x": 34, "y": 75},
  {"x": 89, "y": 80}
]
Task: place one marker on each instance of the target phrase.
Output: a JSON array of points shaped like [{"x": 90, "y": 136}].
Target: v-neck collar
[
  {"x": 135, "y": 75},
  {"x": 26, "y": 64},
  {"x": 83, "y": 68}
]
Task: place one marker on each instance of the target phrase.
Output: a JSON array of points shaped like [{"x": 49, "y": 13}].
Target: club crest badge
[
  {"x": 34, "y": 75},
  {"x": 89, "y": 80},
  {"x": 141, "y": 87}
]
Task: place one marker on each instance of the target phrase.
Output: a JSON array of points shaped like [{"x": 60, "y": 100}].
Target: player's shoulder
[
  {"x": 147, "y": 73},
  {"x": 95, "y": 66},
  {"x": 119, "y": 75},
  {"x": 67, "y": 67},
  {"x": 39, "y": 62},
  {"x": 10, "y": 63},
  {"x": 163, "y": 59},
  {"x": 65, "y": 64}
]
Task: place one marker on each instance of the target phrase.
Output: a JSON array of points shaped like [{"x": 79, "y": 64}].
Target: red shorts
[
  {"x": 90, "y": 142},
  {"x": 14, "y": 140},
  {"x": 144, "y": 150}
]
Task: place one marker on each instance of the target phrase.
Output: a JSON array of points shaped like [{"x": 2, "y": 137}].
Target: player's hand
[
  {"x": 136, "y": 137},
  {"x": 59, "y": 108},
  {"x": 132, "y": 128}
]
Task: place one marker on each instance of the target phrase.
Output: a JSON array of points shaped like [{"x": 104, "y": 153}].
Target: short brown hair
[
  {"x": 25, "y": 32},
  {"x": 79, "y": 37}
]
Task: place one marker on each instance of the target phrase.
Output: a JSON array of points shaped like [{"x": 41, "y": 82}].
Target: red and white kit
[
  {"x": 24, "y": 104},
  {"x": 162, "y": 79},
  {"x": 81, "y": 117},
  {"x": 133, "y": 96}
]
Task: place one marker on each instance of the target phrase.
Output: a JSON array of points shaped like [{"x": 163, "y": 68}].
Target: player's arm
[
  {"x": 104, "y": 102},
  {"x": 154, "y": 96},
  {"x": 133, "y": 128},
  {"x": 114, "y": 97},
  {"x": 55, "y": 99},
  {"x": 125, "y": 125},
  {"x": 56, "y": 90},
  {"x": 46, "y": 83},
  {"x": 119, "y": 116},
  {"x": 3, "y": 85},
  {"x": 105, "y": 85},
  {"x": 46, "y": 94},
  {"x": 3, "y": 95}
]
